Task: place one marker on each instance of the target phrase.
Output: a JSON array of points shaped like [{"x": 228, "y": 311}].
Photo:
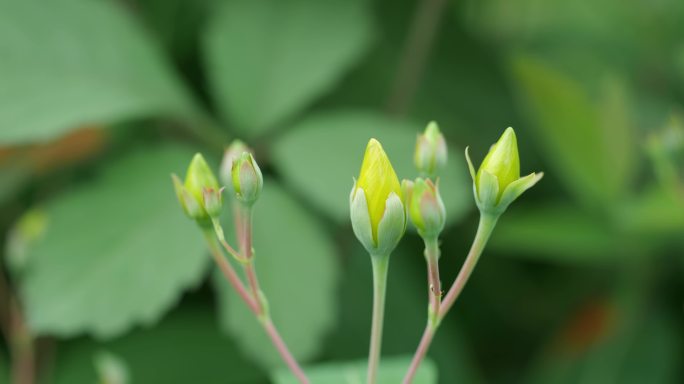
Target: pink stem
[
  {"x": 425, "y": 341},
  {"x": 232, "y": 277},
  {"x": 284, "y": 352}
]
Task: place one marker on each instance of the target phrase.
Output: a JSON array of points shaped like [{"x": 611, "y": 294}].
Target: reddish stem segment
[
  {"x": 484, "y": 230},
  {"x": 230, "y": 275},
  {"x": 284, "y": 352}
]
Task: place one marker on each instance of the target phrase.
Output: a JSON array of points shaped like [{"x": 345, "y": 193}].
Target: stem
[
  {"x": 380, "y": 266},
  {"x": 21, "y": 346},
  {"x": 282, "y": 349},
  {"x": 423, "y": 347},
  {"x": 243, "y": 221},
  {"x": 484, "y": 230},
  {"x": 414, "y": 56},
  {"x": 230, "y": 274},
  {"x": 246, "y": 247},
  {"x": 434, "y": 283}
]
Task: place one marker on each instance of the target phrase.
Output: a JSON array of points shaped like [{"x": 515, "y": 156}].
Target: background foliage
[{"x": 100, "y": 100}]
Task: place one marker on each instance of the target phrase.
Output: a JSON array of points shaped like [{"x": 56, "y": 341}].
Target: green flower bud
[
  {"x": 498, "y": 183},
  {"x": 431, "y": 151},
  {"x": 247, "y": 180},
  {"x": 426, "y": 208},
  {"x": 234, "y": 150},
  {"x": 377, "y": 208},
  {"x": 200, "y": 185}
]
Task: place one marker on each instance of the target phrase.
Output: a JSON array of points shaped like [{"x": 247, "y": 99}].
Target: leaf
[
  {"x": 589, "y": 146},
  {"x": 320, "y": 156},
  {"x": 186, "y": 347},
  {"x": 557, "y": 233},
  {"x": 297, "y": 270},
  {"x": 391, "y": 371},
  {"x": 72, "y": 62},
  {"x": 116, "y": 252},
  {"x": 269, "y": 59}
]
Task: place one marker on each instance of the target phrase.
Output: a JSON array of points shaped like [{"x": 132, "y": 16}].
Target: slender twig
[
  {"x": 23, "y": 354},
  {"x": 230, "y": 274},
  {"x": 484, "y": 230},
  {"x": 243, "y": 228},
  {"x": 416, "y": 51},
  {"x": 380, "y": 266},
  {"x": 434, "y": 283}
]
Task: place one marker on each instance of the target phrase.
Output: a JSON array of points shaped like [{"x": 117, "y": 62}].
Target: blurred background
[{"x": 103, "y": 277}]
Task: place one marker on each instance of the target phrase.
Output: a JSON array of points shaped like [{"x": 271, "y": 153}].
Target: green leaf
[
  {"x": 186, "y": 347},
  {"x": 297, "y": 270},
  {"x": 117, "y": 250},
  {"x": 73, "y": 62},
  {"x": 391, "y": 371},
  {"x": 589, "y": 142},
  {"x": 321, "y": 155},
  {"x": 557, "y": 233},
  {"x": 269, "y": 59}
]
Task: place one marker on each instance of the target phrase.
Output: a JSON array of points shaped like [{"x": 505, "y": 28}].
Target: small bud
[
  {"x": 213, "y": 201},
  {"x": 377, "y": 207},
  {"x": 234, "y": 150},
  {"x": 498, "y": 183},
  {"x": 247, "y": 180},
  {"x": 427, "y": 209},
  {"x": 431, "y": 151},
  {"x": 191, "y": 195}
]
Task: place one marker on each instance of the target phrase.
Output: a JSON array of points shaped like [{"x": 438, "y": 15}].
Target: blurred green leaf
[
  {"x": 557, "y": 233},
  {"x": 321, "y": 155},
  {"x": 186, "y": 347},
  {"x": 295, "y": 261},
  {"x": 117, "y": 251},
  {"x": 588, "y": 142},
  {"x": 391, "y": 371},
  {"x": 73, "y": 62},
  {"x": 296, "y": 50}
]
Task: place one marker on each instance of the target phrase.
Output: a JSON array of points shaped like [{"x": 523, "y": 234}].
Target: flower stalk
[{"x": 380, "y": 266}]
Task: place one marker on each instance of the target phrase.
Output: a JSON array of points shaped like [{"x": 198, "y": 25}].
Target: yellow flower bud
[
  {"x": 376, "y": 203},
  {"x": 377, "y": 179},
  {"x": 502, "y": 161},
  {"x": 498, "y": 183},
  {"x": 200, "y": 195}
]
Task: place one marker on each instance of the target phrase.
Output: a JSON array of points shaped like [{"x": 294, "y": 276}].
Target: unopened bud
[
  {"x": 247, "y": 180},
  {"x": 191, "y": 195},
  {"x": 426, "y": 208},
  {"x": 234, "y": 150},
  {"x": 431, "y": 151}
]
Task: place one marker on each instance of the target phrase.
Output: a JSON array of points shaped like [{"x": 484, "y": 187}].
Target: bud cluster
[{"x": 200, "y": 195}]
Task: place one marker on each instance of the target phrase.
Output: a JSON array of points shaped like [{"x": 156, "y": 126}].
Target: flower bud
[
  {"x": 247, "y": 180},
  {"x": 426, "y": 208},
  {"x": 376, "y": 202},
  {"x": 200, "y": 185},
  {"x": 431, "y": 151},
  {"x": 498, "y": 183},
  {"x": 234, "y": 150}
]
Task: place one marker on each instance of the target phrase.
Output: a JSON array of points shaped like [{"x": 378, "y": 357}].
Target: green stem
[
  {"x": 434, "y": 283},
  {"x": 380, "y": 266},
  {"x": 484, "y": 230}
]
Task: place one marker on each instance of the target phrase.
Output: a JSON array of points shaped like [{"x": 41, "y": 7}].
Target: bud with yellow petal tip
[
  {"x": 247, "y": 180},
  {"x": 426, "y": 209},
  {"x": 234, "y": 151},
  {"x": 498, "y": 183},
  {"x": 431, "y": 151},
  {"x": 376, "y": 202},
  {"x": 200, "y": 195}
]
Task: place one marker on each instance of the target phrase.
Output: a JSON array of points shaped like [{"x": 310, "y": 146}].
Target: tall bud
[
  {"x": 232, "y": 152},
  {"x": 376, "y": 203},
  {"x": 430, "y": 156},
  {"x": 200, "y": 195}
]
